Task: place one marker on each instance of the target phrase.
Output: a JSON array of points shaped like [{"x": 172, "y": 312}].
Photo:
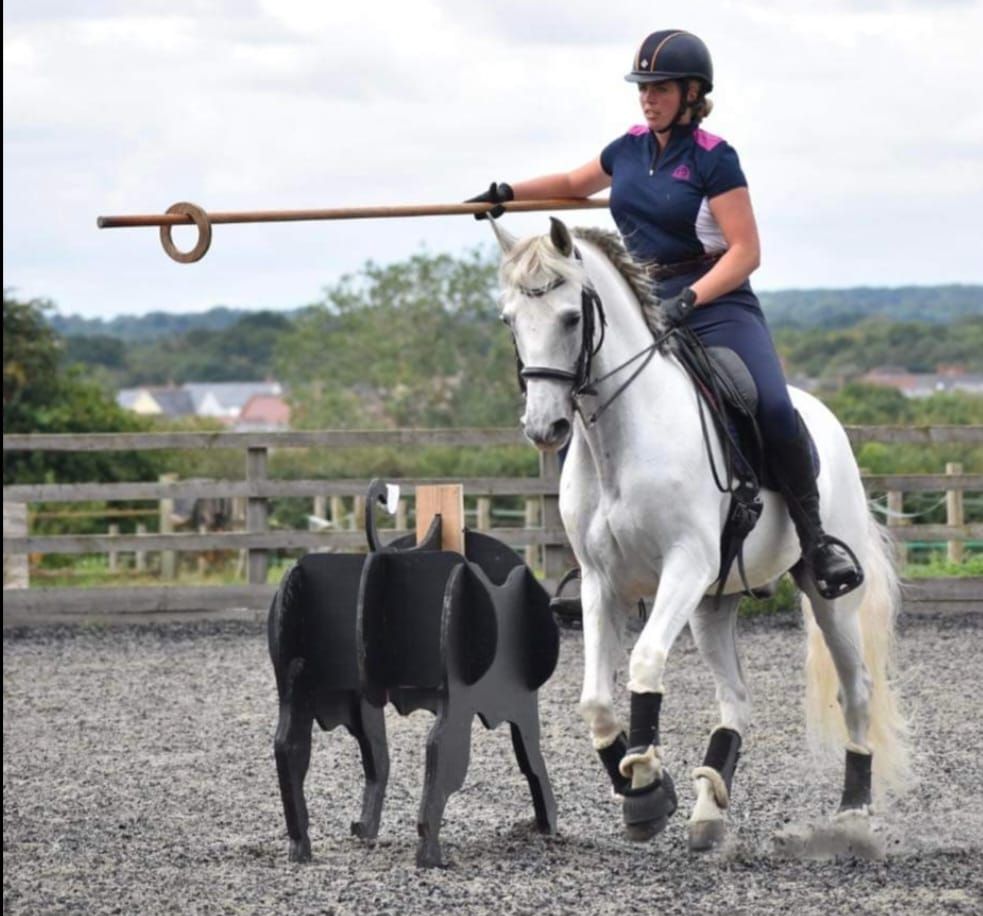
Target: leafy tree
[
  {"x": 409, "y": 344},
  {"x": 40, "y": 396}
]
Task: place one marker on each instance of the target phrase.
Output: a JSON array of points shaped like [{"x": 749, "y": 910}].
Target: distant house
[
  {"x": 166, "y": 401},
  {"x": 925, "y": 384},
  {"x": 225, "y": 400},
  {"x": 264, "y": 412},
  {"x": 218, "y": 400}
]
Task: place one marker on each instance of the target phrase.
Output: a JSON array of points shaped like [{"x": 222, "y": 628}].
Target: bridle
[{"x": 592, "y": 314}]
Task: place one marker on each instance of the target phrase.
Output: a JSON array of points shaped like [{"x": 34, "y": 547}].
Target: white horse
[{"x": 644, "y": 518}]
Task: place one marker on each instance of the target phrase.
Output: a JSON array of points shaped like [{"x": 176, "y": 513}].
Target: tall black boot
[{"x": 832, "y": 564}]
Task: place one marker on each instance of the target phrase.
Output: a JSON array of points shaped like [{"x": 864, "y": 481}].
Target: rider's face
[{"x": 660, "y": 103}]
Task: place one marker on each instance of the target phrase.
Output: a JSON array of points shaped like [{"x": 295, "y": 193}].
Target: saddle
[{"x": 728, "y": 390}]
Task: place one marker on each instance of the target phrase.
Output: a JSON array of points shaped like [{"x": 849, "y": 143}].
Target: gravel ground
[{"x": 138, "y": 777}]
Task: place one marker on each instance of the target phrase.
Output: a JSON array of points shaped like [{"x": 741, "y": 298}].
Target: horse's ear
[
  {"x": 560, "y": 237},
  {"x": 506, "y": 240}
]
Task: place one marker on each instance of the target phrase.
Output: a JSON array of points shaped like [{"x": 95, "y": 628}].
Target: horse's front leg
[
  {"x": 651, "y": 798},
  {"x": 603, "y": 612}
]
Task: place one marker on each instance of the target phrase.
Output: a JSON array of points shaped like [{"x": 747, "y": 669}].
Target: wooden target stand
[{"x": 450, "y": 620}]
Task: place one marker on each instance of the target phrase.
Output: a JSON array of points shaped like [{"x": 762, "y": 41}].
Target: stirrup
[
  {"x": 567, "y": 608},
  {"x": 835, "y": 582}
]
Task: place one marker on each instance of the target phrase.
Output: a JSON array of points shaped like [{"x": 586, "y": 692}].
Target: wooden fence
[{"x": 541, "y": 533}]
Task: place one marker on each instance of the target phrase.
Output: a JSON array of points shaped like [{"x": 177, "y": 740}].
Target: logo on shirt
[{"x": 681, "y": 173}]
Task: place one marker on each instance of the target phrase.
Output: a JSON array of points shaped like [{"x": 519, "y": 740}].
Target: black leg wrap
[
  {"x": 644, "y": 728},
  {"x": 723, "y": 752},
  {"x": 610, "y": 758},
  {"x": 856, "y": 782}
]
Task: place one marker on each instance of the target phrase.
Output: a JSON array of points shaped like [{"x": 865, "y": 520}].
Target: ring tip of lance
[{"x": 200, "y": 218}]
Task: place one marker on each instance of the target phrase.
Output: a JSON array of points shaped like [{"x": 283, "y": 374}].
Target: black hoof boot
[
  {"x": 856, "y": 782},
  {"x": 835, "y": 568},
  {"x": 647, "y": 809},
  {"x": 610, "y": 758}
]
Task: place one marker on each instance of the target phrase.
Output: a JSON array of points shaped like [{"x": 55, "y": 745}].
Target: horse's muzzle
[{"x": 551, "y": 437}]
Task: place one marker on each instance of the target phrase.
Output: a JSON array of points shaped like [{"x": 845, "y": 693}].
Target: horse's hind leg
[
  {"x": 715, "y": 633},
  {"x": 292, "y": 750},
  {"x": 369, "y": 729},
  {"x": 839, "y": 623},
  {"x": 602, "y": 652}
]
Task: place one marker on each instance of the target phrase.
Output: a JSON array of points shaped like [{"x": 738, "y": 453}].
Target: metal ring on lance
[{"x": 200, "y": 218}]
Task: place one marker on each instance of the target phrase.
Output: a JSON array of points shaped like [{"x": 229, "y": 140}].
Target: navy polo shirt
[{"x": 659, "y": 201}]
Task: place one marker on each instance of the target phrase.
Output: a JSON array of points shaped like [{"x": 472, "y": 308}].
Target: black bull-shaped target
[{"x": 424, "y": 629}]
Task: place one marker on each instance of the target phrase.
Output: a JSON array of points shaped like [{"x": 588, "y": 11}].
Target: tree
[
  {"x": 40, "y": 396},
  {"x": 416, "y": 343}
]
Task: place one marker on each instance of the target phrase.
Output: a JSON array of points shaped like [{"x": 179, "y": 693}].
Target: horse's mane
[{"x": 537, "y": 256}]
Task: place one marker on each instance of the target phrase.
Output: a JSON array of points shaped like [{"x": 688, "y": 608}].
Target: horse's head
[{"x": 552, "y": 311}]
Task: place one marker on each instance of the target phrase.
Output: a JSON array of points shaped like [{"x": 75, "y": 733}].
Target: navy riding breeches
[{"x": 736, "y": 321}]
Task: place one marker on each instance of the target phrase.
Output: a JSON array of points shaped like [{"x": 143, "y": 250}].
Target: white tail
[{"x": 888, "y": 735}]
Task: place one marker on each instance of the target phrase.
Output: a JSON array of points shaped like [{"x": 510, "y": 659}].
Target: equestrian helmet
[{"x": 672, "y": 54}]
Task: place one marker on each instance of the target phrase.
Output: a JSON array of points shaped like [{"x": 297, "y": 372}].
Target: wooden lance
[{"x": 184, "y": 213}]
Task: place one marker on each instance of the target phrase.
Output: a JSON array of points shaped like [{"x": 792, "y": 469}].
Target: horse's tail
[{"x": 888, "y": 733}]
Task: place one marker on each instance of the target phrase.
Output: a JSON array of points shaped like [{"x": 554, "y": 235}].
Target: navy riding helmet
[{"x": 671, "y": 55}]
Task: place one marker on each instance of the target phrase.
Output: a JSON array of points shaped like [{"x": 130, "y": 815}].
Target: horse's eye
[
  {"x": 505, "y": 320},
  {"x": 571, "y": 319}
]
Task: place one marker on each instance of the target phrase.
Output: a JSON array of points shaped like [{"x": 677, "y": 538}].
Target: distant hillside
[
  {"x": 788, "y": 308},
  {"x": 842, "y": 308},
  {"x": 149, "y": 327}
]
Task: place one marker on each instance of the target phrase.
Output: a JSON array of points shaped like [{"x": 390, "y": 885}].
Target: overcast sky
[{"x": 859, "y": 124}]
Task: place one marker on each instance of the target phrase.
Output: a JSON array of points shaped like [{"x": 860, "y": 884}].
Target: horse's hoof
[
  {"x": 646, "y": 810},
  {"x": 704, "y": 835},
  {"x": 300, "y": 850}
]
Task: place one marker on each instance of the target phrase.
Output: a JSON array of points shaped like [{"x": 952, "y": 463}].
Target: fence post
[
  {"x": 954, "y": 514},
  {"x": 320, "y": 507},
  {"x": 16, "y": 572},
  {"x": 401, "y": 515},
  {"x": 168, "y": 558},
  {"x": 337, "y": 513},
  {"x": 113, "y": 553},
  {"x": 139, "y": 556},
  {"x": 554, "y": 555},
  {"x": 895, "y": 519},
  {"x": 532, "y": 557},
  {"x": 484, "y": 514},
  {"x": 257, "y": 515}
]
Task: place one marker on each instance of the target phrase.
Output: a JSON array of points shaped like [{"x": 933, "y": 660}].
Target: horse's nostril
[{"x": 559, "y": 430}]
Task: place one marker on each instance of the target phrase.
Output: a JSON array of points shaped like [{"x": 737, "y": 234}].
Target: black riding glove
[
  {"x": 498, "y": 193},
  {"x": 678, "y": 308}
]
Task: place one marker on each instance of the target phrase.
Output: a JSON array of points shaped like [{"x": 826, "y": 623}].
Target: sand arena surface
[{"x": 138, "y": 777}]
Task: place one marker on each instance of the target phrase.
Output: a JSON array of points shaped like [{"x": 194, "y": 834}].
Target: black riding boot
[{"x": 832, "y": 564}]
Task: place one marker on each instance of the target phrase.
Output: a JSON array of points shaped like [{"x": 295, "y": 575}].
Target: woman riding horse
[
  {"x": 632, "y": 497},
  {"x": 680, "y": 200}
]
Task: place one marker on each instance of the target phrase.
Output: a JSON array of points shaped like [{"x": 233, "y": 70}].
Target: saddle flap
[{"x": 737, "y": 384}]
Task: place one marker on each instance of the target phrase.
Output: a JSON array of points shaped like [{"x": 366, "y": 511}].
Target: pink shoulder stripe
[
  {"x": 705, "y": 140},
  {"x": 637, "y": 130}
]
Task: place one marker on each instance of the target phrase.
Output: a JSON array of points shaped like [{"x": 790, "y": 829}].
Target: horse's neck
[{"x": 656, "y": 410}]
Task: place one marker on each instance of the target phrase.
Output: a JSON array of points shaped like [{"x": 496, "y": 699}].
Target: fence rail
[{"x": 542, "y": 536}]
